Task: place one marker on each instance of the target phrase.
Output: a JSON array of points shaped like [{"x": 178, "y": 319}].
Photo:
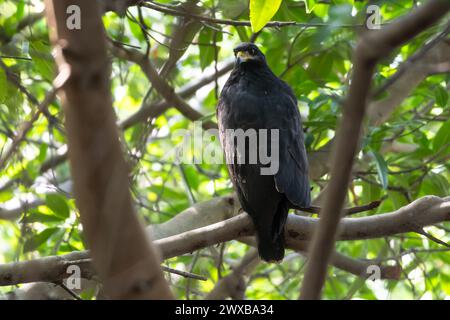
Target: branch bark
[
  {"x": 123, "y": 257},
  {"x": 160, "y": 84},
  {"x": 410, "y": 74},
  {"x": 234, "y": 285},
  {"x": 195, "y": 235}
]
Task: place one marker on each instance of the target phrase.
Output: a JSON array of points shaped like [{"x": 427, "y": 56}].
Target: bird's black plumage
[{"x": 254, "y": 98}]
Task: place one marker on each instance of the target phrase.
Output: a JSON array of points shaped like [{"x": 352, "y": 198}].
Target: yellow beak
[{"x": 244, "y": 55}]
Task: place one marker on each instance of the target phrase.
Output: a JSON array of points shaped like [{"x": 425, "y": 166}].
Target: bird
[{"x": 253, "y": 97}]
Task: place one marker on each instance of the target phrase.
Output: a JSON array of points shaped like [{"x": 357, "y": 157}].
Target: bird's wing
[
  {"x": 292, "y": 176},
  {"x": 273, "y": 111},
  {"x": 222, "y": 113}
]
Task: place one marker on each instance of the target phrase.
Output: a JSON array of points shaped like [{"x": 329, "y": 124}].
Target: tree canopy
[{"x": 168, "y": 63}]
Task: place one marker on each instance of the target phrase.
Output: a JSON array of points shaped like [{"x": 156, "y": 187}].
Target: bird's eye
[{"x": 253, "y": 51}]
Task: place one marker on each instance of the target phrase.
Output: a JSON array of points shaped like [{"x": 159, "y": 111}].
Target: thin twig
[
  {"x": 432, "y": 238},
  {"x": 26, "y": 126},
  {"x": 184, "y": 273},
  {"x": 272, "y": 24},
  {"x": 73, "y": 294}
]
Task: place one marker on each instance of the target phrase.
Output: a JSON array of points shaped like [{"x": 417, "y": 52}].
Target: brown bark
[
  {"x": 177, "y": 237},
  {"x": 123, "y": 258}
]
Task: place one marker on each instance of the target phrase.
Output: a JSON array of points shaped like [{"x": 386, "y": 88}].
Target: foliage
[
  {"x": 261, "y": 11},
  {"x": 315, "y": 61}
]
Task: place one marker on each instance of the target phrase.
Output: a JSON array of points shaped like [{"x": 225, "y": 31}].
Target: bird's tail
[{"x": 270, "y": 235}]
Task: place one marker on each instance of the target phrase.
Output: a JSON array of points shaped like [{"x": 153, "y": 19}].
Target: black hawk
[{"x": 252, "y": 99}]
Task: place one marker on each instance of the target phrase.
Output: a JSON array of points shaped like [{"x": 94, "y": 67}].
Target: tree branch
[
  {"x": 194, "y": 235},
  {"x": 273, "y": 24},
  {"x": 358, "y": 267},
  {"x": 160, "y": 84},
  {"x": 409, "y": 75},
  {"x": 125, "y": 260},
  {"x": 233, "y": 285},
  {"x": 25, "y": 127},
  {"x": 153, "y": 110}
]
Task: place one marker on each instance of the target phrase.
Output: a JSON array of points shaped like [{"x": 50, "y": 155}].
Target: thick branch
[
  {"x": 234, "y": 284},
  {"x": 420, "y": 213},
  {"x": 358, "y": 267},
  {"x": 160, "y": 84},
  {"x": 408, "y": 76},
  {"x": 124, "y": 259}
]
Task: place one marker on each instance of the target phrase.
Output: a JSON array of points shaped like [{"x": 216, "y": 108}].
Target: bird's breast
[{"x": 247, "y": 105}]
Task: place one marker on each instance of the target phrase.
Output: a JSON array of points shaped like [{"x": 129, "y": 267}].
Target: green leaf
[
  {"x": 20, "y": 10},
  {"x": 309, "y": 5},
  {"x": 6, "y": 196},
  {"x": 3, "y": 87},
  {"x": 371, "y": 192},
  {"x": 435, "y": 184},
  {"x": 232, "y": 8},
  {"x": 441, "y": 96},
  {"x": 34, "y": 242},
  {"x": 207, "y": 50},
  {"x": 261, "y": 11},
  {"x": 32, "y": 169},
  {"x": 135, "y": 29},
  {"x": 13, "y": 99},
  {"x": 382, "y": 169},
  {"x": 42, "y": 60},
  {"x": 58, "y": 205},
  {"x": 43, "y": 217},
  {"x": 242, "y": 33},
  {"x": 42, "y": 152},
  {"x": 442, "y": 137},
  {"x": 398, "y": 199},
  {"x": 192, "y": 177},
  {"x": 320, "y": 67},
  {"x": 167, "y": 192}
]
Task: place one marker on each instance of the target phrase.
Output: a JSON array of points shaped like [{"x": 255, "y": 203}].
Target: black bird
[{"x": 255, "y": 98}]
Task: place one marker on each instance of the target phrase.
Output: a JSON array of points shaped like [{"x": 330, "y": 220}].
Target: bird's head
[{"x": 249, "y": 53}]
